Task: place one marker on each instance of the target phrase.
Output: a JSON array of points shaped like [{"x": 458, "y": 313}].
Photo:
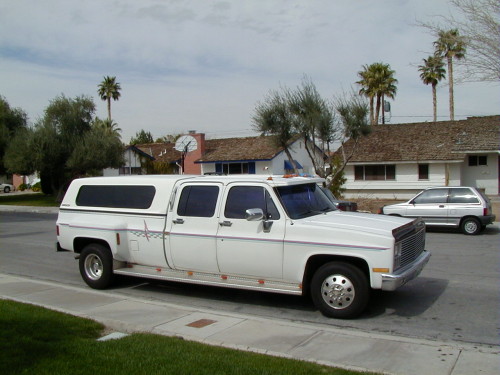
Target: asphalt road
[{"x": 456, "y": 298}]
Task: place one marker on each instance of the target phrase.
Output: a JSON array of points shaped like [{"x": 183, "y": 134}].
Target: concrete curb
[{"x": 344, "y": 348}]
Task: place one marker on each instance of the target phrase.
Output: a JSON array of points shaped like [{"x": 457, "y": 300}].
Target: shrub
[
  {"x": 23, "y": 187},
  {"x": 37, "y": 187}
]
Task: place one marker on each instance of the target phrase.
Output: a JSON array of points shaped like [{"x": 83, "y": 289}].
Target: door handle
[
  {"x": 225, "y": 223},
  {"x": 441, "y": 206},
  {"x": 178, "y": 221}
]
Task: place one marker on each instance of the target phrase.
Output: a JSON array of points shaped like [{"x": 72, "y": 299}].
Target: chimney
[{"x": 189, "y": 166}]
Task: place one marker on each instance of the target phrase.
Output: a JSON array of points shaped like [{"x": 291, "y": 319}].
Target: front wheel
[
  {"x": 96, "y": 266},
  {"x": 6, "y": 189},
  {"x": 340, "y": 290},
  {"x": 471, "y": 226}
]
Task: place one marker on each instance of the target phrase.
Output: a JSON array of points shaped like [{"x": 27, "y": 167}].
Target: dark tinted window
[
  {"x": 432, "y": 196},
  {"x": 462, "y": 195},
  {"x": 198, "y": 201},
  {"x": 304, "y": 200},
  {"x": 116, "y": 196},
  {"x": 241, "y": 198}
]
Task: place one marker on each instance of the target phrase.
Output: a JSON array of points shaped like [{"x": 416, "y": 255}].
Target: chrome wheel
[
  {"x": 338, "y": 291},
  {"x": 93, "y": 267}
]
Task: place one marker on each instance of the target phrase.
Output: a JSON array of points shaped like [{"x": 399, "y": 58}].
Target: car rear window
[
  {"x": 462, "y": 195},
  {"x": 116, "y": 196}
]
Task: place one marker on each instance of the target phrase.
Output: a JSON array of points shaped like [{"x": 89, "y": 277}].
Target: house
[
  {"x": 151, "y": 158},
  {"x": 397, "y": 161},
  {"x": 253, "y": 155},
  {"x": 249, "y": 155}
]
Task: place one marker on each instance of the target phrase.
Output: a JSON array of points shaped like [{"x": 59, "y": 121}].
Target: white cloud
[{"x": 199, "y": 64}]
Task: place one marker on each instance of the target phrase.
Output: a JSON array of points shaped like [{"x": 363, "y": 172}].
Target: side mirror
[{"x": 254, "y": 214}]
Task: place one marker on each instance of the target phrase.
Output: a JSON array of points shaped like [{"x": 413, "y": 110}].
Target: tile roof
[
  {"x": 428, "y": 141},
  {"x": 164, "y": 152},
  {"x": 233, "y": 149}
]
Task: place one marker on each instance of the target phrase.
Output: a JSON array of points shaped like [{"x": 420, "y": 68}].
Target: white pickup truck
[{"x": 266, "y": 233}]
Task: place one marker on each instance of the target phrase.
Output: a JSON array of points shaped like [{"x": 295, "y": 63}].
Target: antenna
[{"x": 185, "y": 144}]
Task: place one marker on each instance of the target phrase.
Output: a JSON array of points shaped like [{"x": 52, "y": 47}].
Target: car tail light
[{"x": 486, "y": 211}]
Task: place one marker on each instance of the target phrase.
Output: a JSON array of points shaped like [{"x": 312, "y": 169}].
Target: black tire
[
  {"x": 340, "y": 290},
  {"x": 6, "y": 189},
  {"x": 96, "y": 266},
  {"x": 470, "y": 226}
]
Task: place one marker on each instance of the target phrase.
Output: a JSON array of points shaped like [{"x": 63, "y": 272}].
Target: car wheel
[
  {"x": 340, "y": 290},
  {"x": 96, "y": 266},
  {"x": 471, "y": 226},
  {"x": 6, "y": 189}
]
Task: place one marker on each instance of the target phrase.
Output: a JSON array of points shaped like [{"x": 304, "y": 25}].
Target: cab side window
[
  {"x": 241, "y": 198},
  {"x": 432, "y": 196},
  {"x": 198, "y": 201}
]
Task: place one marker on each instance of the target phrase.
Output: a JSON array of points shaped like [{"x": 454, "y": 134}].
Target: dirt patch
[{"x": 374, "y": 205}]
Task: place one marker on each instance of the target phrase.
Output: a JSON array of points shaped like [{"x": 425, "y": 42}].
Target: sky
[{"x": 204, "y": 65}]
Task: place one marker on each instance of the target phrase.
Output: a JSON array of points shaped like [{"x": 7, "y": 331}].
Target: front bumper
[{"x": 393, "y": 281}]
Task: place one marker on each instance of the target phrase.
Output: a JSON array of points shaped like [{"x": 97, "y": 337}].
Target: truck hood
[{"x": 356, "y": 222}]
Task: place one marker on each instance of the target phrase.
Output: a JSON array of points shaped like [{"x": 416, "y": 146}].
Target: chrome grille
[{"x": 411, "y": 247}]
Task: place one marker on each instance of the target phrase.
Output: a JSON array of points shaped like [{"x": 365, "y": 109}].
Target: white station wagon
[
  {"x": 265, "y": 233},
  {"x": 461, "y": 207}
]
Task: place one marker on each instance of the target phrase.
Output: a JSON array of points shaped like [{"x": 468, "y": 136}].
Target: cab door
[
  {"x": 192, "y": 235},
  {"x": 250, "y": 248}
]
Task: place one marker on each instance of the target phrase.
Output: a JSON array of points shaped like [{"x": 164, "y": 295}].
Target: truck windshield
[{"x": 304, "y": 200}]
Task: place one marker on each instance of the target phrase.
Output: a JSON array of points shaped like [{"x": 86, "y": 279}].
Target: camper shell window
[{"x": 116, "y": 196}]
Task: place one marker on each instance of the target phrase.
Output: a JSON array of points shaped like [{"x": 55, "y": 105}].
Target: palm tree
[
  {"x": 109, "y": 89},
  {"x": 450, "y": 44},
  {"x": 431, "y": 73},
  {"x": 377, "y": 81},
  {"x": 367, "y": 76}
]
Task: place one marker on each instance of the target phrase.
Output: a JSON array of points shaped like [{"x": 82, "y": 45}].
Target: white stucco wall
[
  {"x": 483, "y": 176},
  {"x": 406, "y": 184},
  {"x": 131, "y": 160}
]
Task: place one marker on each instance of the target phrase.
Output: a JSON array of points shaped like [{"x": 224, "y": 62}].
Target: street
[{"x": 456, "y": 297}]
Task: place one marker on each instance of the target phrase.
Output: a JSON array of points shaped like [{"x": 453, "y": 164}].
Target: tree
[
  {"x": 109, "y": 126},
  {"x": 109, "y": 89},
  {"x": 142, "y": 137},
  {"x": 313, "y": 120},
  {"x": 64, "y": 145},
  {"x": 353, "y": 112},
  {"x": 431, "y": 72},
  {"x": 478, "y": 23},
  {"x": 450, "y": 44},
  {"x": 288, "y": 114},
  {"x": 273, "y": 117},
  {"x": 377, "y": 81},
  {"x": 12, "y": 120}
]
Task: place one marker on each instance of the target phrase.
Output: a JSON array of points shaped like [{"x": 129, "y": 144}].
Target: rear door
[{"x": 193, "y": 228}]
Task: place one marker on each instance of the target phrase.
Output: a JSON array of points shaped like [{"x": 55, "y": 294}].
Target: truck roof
[{"x": 273, "y": 180}]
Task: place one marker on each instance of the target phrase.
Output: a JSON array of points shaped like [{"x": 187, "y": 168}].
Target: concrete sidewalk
[{"x": 309, "y": 342}]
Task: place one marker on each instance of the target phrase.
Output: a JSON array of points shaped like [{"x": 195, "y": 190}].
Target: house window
[
  {"x": 475, "y": 160},
  {"x": 380, "y": 172},
  {"x": 423, "y": 171},
  {"x": 235, "y": 168},
  {"x": 130, "y": 170}
]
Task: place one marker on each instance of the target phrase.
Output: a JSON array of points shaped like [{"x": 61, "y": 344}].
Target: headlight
[{"x": 397, "y": 255}]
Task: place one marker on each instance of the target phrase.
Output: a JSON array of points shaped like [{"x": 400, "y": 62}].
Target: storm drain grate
[{"x": 201, "y": 323}]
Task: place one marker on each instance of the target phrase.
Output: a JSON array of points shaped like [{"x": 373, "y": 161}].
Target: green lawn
[
  {"x": 35, "y": 340},
  {"x": 36, "y": 199}
]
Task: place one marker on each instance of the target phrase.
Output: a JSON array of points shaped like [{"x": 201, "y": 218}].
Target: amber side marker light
[{"x": 379, "y": 270}]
